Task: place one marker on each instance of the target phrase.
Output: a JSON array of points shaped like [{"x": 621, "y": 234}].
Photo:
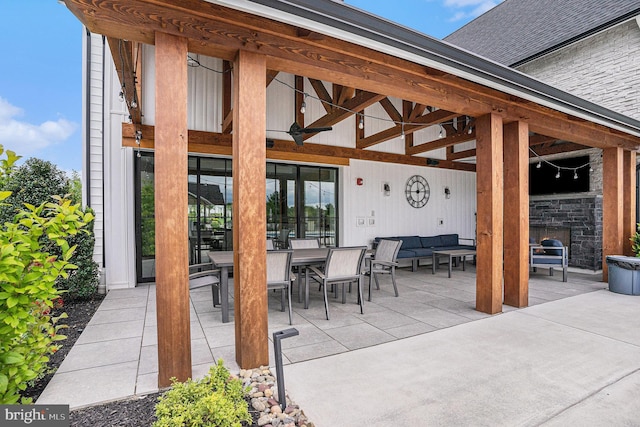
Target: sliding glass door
[{"x": 301, "y": 202}]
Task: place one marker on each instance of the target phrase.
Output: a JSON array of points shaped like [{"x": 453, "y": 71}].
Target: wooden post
[
  {"x": 629, "y": 213},
  {"x": 172, "y": 245},
  {"x": 612, "y": 199},
  {"x": 249, "y": 210},
  {"x": 489, "y": 180},
  {"x": 516, "y": 214}
]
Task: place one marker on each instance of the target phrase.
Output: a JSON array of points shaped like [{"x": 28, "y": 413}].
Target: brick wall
[
  {"x": 604, "y": 69},
  {"x": 583, "y": 215}
]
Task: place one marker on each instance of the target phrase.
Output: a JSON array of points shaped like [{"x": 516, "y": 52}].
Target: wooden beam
[
  {"x": 227, "y": 114},
  {"x": 249, "y": 211},
  {"x": 447, "y": 141},
  {"x": 219, "y": 31},
  {"x": 421, "y": 122},
  {"x": 323, "y": 94},
  {"x": 629, "y": 205},
  {"x": 359, "y": 102},
  {"x": 172, "y": 248},
  {"x": 126, "y": 66},
  {"x": 612, "y": 206},
  {"x": 540, "y": 139},
  {"x": 391, "y": 110},
  {"x": 564, "y": 147},
  {"x": 489, "y": 178},
  {"x": 516, "y": 214},
  {"x": 201, "y": 142},
  {"x": 271, "y": 75},
  {"x": 461, "y": 154}
]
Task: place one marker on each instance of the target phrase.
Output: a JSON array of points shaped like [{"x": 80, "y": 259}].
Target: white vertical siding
[
  {"x": 392, "y": 214},
  {"x": 92, "y": 164}
]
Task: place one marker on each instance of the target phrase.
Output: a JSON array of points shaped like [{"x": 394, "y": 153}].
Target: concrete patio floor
[{"x": 116, "y": 355}]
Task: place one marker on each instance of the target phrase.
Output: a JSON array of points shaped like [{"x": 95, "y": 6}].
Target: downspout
[
  {"x": 104, "y": 249},
  {"x": 87, "y": 114}
]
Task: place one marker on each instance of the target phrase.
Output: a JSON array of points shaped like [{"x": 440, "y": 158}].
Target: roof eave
[{"x": 344, "y": 22}]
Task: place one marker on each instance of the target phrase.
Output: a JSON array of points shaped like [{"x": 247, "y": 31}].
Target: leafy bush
[
  {"x": 35, "y": 182},
  {"x": 635, "y": 241},
  {"x": 28, "y": 334},
  {"x": 216, "y": 400},
  {"x": 82, "y": 282}
]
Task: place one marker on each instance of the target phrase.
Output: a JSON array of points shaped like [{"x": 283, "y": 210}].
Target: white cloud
[
  {"x": 26, "y": 138},
  {"x": 470, "y": 8}
]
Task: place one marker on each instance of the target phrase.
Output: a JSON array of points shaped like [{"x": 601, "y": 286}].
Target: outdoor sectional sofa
[{"x": 415, "y": 248}]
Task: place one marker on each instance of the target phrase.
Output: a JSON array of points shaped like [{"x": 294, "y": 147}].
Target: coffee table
[{"x": 453, "y": 253}]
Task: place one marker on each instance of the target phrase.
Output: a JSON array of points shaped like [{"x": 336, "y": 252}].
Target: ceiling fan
[{"x": 296, "y": 131}]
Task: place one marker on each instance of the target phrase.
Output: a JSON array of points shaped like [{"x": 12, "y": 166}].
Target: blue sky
[{"x": 41, "y": 63}]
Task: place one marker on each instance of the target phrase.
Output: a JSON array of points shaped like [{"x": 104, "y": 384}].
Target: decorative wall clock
[{"x": 417, "y": 191}]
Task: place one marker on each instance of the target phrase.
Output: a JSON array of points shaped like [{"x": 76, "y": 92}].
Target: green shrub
[
  {"x": 28, "y": 334},
  {"x": 33, "y": 182},
  {"x": 82, "y": 282},
  {"x": 216, "y": 400}
]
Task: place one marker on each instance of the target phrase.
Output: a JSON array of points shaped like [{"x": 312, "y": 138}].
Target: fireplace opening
[{"x": 540, "y": 233}]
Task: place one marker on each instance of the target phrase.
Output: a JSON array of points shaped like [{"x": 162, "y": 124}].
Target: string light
[
  {"x": 138, "y": 138},
  {"x": 121, "y": 96},
  {"x": 441, "y": 133},
  {"x": 402, "y": 134},
  {"x": 560, "y": 168},
  {"x": 303, "y": 106},
  {"x": 361, "y": 122}
]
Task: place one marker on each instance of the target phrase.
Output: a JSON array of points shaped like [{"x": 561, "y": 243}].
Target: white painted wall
[
  {"x": 389, "y": 215},
  {"x": 392, "y": 215}
]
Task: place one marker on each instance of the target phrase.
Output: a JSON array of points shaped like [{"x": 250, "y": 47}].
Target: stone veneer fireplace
[{"x": 576, "y": 220}]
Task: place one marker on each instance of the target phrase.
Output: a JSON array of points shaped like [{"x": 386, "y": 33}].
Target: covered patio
[
  {"x": 367, "y": 60},
  {"x": 117, "y": 354}
]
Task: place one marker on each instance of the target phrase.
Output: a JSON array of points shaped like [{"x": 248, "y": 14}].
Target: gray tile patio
[{"x": 116, "y": 356}]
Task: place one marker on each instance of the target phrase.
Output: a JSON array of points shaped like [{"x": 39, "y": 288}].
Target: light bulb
[
  {"x": 441, "y": 133},
  {"x": 575, "y": 174},
  {"x": 402, "y": 134},
  {"x": 590, "y": 169},
  {"x": 470, "y": 131},
  {"x": 121, "y": 96},
  {"x": 134, "y": 104},
  {"x": 558, "y": 174},
  {"x": 303, "y": 107},
  {"x": 539, "y": 165},
  {"x": 361, "y": 123}
]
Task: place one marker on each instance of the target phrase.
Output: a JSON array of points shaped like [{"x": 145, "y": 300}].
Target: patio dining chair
[
  {"x": 304, "y": 243},
  {"x": 384, "y": 262},
  {"x": 343, "y": 265},
  {"x": 279, "y": 275},
  {"x": 270, "y": 245},
  {"x": 201, "y": 275}
]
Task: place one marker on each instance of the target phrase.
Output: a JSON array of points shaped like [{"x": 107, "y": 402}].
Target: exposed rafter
[{"x": 126, "y": 59}]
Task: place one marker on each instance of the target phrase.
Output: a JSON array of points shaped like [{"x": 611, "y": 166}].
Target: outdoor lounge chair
[{"x": 550, "y": 254}]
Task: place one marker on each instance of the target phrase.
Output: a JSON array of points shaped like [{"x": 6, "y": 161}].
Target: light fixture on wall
[
  {"x": 447, "y": 193},
  {"x": 386, "y": 189},
  {"x": 359, "y": 182}
]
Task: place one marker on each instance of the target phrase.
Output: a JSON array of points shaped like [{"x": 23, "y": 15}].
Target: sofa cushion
[
  {"x": 406, "y": 253},
  {"x": 449, "y": 239},
  {"x": 431, "y": 241},
  {"x": 423, "y": 252},
  {"x": 409, "y": 242},
  {"x": 552, "y": 243},
  {"x": 540, "y": 261}
]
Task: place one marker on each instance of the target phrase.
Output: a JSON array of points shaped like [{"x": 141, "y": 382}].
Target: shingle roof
[{"x": 518, "y": 30}]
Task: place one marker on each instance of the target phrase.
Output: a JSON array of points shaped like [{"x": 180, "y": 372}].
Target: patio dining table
[{"x": 300, "y": 257}]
